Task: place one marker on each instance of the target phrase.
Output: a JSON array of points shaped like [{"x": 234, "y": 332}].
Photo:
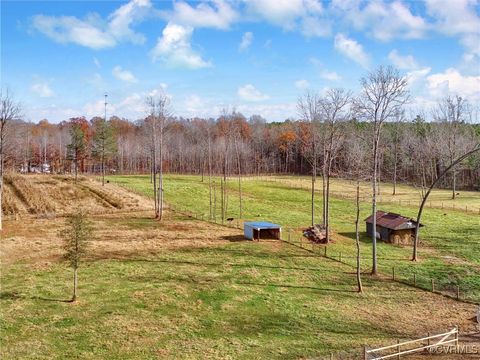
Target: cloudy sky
[{"x": 60, "y": 57}]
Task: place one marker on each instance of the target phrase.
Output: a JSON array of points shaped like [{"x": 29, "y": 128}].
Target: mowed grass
[
  {"x": 450, "y": 240},
  {"x": 237, "y": 300}
]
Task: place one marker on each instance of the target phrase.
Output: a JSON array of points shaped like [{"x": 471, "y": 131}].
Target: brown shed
[{"x": 392, "y": 228}]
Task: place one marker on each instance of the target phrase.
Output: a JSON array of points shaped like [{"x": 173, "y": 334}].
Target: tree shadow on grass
[
  {"x": 364, "y": 238},
  {"x": 294, "y": 287},
  {"x": 240, "y": 265},
  {"x": 49, "y": 299},
  {"x": 235, "y": 238},
  {"x": 14, "y": 295}
]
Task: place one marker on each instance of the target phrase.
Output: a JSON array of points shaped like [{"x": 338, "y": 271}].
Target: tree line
[{"x": 411, "y": 150}]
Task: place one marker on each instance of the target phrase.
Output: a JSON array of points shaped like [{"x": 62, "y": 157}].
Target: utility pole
[{"x": 103, "y": 141}]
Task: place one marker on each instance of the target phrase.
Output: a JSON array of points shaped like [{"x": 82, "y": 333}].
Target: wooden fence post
[
  {"x": 456, "y": 336},
  {"x": 393, "y": 273},
  {"x": 458, "y": 292},
  {"x": 365, "y": 354},
  {"x": 433, "y": 285},
  {"x": 398, "y": 348},
  {"x": 414, "y": 279},
  {"x": 325, "y": 251}
]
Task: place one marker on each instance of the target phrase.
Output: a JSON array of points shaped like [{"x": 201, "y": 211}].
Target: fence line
[
  {"x": 339, "y": 257},
  {"x": 434, "y": 285},
  {"x": 435, "y": 204},
  {"x": 382, "y": 353}
]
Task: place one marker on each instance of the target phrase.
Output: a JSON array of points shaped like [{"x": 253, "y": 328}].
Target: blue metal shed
[{"x": 261, "y": 229}]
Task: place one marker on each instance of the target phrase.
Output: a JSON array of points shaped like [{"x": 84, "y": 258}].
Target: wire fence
[
  {"x": 440, "y": 285},
  {"x": 434, "y": 204}
]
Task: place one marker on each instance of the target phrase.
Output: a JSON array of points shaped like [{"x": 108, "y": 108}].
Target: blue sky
[{"x": 60, "y": 57}]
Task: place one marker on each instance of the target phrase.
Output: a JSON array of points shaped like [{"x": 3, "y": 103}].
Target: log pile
[{"x": 316, "y": 234}]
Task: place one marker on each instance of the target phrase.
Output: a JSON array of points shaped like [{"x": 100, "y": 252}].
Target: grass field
[
  {"x": 156, "y": 291},
  {"x": 450, "y": 248},
  {"x": 190, "y": 289}
]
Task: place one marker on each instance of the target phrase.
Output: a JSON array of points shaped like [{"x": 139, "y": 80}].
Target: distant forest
[{"x": 411, "y": 151}]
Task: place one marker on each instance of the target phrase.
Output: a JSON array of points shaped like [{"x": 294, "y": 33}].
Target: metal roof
[
  {"x": 393, "y": 221},
  {"x": 262, "y": 225}
]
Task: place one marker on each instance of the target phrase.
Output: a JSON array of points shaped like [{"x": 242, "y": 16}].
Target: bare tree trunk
[
  {"x": 425, "y": 197},
  {"x": 160, "y": 185},
  {"x": 395, "y": 171},
  {"x": 214, "y": 202},
  {"x": 75, "y": 282},
  {"x": 210, "y": 176},
  {"x": 327, "y": 202},
  {"x": 1, "y": 178},
  {"x": 454, "y": 183},
  {"x": 222, "y": 186},
  {"x": 76, "y": 169},
  {"x": 374, "y": 200},
  {"x": 1, "y": 191},
  {"x": 357, "y": 238}
]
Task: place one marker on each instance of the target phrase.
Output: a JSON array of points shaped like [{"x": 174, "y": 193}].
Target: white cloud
[
  {"x": 94, "y": 32},
  {"x": 97, "y": 62},
  {"x": 278, "y": 12},
  {"x": 417, "y": 77},
  {"x": 312, "y": 26},
  {"x": 96, "y": 108},
  {"x": 384, "y": 20},
  {"x": 53, "y": 113},
  {"x": 96, "y": 80},
  {"x": 248, "y": 92},
  {"x": 123, "y": 75},
  {"x": 405, "y": 62},
  {"x": 271, "y": 112},
  {"x": 302, "y": 84},
  {"x": 452, "y": 81},
  {"x": 302, "y": 15},
  {"x": 247, "y": 39},
  {"x": 174, "y": 48},
  {"x": 330, "y": 75},
  {"x": 122, "y": 18},
  {"x": 42, "y": 89},
  {"x": 351, "y": 49},
  {"x": 454, "y": 17},
  {"x": 219, "y": 14},
  {"x": 458, "y": 18}
]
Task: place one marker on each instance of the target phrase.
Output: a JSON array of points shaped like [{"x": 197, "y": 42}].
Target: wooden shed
[{"x": 392, "y": 228}]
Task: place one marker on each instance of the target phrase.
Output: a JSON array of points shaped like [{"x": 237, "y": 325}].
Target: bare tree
[
  {"x": 335, "y": 110},
  {"x": 452, "y": 165},
  {"x": 309, "y": 109},
  {"x": 159, "y": 113},
  {"x": 10, "y": 111},
  {"x": 358, "y": 159},
  {"x": 384, "y": 92},
  {"x": 452, "y": 112}
]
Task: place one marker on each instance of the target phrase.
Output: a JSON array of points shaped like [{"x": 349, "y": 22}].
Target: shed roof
[
  {"x": 262, "y": 225},
  {"x": 393, "y": 221}
]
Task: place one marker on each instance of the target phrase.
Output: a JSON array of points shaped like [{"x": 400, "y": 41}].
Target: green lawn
[
  {"x": 450, "y": 248},
  {"x": 182, "y": 288},
  {"x": 237, "y": 300}
]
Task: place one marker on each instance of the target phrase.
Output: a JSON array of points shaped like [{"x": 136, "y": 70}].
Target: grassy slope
[
  {"x": 451, "y": 244},
  {"x": 239, "y": 300}
]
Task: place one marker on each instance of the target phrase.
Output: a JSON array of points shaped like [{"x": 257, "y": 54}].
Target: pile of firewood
[{"x": 316, "y": 234}]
